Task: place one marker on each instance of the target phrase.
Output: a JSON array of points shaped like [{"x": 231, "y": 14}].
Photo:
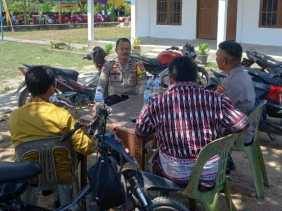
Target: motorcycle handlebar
[
  {"x": 173, "y": 48},
  {"x": 102, "y": 112}
]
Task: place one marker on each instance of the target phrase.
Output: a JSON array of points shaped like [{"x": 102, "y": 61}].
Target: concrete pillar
[
  {"x": 222, "y": 20},
  {"x": 90, "y": 21},
  {"x": 133, "y": 18}
]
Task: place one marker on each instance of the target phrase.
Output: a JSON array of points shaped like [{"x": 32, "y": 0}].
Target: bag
[{"x": 105, "y": 180}]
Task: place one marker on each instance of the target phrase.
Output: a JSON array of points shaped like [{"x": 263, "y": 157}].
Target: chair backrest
[
  {"x": 254, "y": 120},
  {"x": 53, "y": 156},
  {"x": 220, "y": 147}
]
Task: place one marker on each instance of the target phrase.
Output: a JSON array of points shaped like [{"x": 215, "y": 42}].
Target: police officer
[{"x": 122, "y": 75}]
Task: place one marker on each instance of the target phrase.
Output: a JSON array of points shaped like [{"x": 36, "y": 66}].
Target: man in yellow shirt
[{"x": 41, "y": 119}]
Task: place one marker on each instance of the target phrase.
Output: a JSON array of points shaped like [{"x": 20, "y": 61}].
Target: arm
[
  {"x": 102, "y": 86},
  {"x": 144, "y": 124},
  {"x": 232, "y": 120},
  {"x": 80, "y": 140}
]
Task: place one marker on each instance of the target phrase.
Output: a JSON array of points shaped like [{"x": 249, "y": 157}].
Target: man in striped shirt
[{"x": 184, "y": 119}]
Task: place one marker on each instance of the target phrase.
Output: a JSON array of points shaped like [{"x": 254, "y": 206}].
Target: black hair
[
  {"x": 123, "y": 39},
  {"x": 232, "y": 48},
  {"x": 39, "y": 79},
  {"x": 183, "y": 69}
]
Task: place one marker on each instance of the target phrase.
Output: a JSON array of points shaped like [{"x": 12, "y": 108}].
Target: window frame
[
  {"x": 278, "y": 15},
  {"x": 169, "y": 13}
]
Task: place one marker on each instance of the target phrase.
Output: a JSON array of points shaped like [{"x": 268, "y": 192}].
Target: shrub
[{"x": 203, "y": 48}]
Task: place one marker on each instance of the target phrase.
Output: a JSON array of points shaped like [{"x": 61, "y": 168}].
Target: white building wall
[
  {"x": 146, "y": 21},
  {"x": 142, "y": 18},
  {"x": 248, "y": 30}
]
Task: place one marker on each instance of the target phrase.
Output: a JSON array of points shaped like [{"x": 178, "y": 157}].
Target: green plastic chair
[
  {"x": 254, "y": 154},
  {"x": 209, "y": 199}
]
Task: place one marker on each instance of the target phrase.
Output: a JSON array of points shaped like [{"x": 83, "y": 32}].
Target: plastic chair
[
  {"x": 53, "y": 156},
  {"x": 209, "y": 198},
  {"x": 254, "y": 153}
]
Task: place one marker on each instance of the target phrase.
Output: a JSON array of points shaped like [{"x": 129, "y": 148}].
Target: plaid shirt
[{"x": 186, "y": 117}]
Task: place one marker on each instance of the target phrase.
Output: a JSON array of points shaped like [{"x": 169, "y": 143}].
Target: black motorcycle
[
  {"x": 265, "y": 62},
  {"x": 115, "y": 180}
]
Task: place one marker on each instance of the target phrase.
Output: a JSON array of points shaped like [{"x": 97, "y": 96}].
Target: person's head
[
  {"x": 182, "y": 69},
  {"x": 98, "y": 56},
  {"x": 228, "y": 55},
  {"x": 40, "y": 81},
  {"x": 123, "y": 48}
]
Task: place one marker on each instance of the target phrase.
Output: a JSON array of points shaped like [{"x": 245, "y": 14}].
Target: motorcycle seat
[
  {"x": 18, "y": 171},
  {"x": 66, "y": 73}
]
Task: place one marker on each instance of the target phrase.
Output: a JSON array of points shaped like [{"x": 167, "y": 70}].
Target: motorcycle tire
[
  {"x": 166, "y": 204},
  {"x": 24, "y": 97}
]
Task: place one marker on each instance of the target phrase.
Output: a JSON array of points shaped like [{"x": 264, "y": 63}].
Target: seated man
[
  {"x": 41, "y": 119},
  {"x": 238, "y": 85},
  {"x": 122, "y": 75},
  {"x": 184, "y": 119}
]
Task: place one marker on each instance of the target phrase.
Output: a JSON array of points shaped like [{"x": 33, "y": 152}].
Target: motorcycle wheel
[
  {"x": 24, "y": 97},
  {"x": 167, "y": 204}
]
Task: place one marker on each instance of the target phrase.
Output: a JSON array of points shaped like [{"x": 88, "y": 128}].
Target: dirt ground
[{"x": 242, "y": 187}]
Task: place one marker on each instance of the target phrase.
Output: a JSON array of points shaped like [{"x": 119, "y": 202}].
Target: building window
[
  {"x": 169, "y": 12},
  {"x": 271, "y": 13}
]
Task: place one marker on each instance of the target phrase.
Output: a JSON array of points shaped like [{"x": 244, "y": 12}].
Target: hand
[
  {"x": 219, "y": 89},
  {"x": 96, "y": 107}
]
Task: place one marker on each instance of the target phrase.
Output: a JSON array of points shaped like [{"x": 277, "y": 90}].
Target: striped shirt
[{"x": 187, "y": 117}]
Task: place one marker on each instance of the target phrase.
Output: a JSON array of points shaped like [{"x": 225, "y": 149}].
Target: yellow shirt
[{"x": 41, "y": 119}]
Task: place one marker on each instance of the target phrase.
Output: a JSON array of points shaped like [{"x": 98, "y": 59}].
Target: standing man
[
  {"x": 121, "y": 75},
  {"x": 184, "y": 119}
]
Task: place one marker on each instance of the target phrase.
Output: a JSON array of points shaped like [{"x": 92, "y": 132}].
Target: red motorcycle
[{"x": 157, "y": 66}]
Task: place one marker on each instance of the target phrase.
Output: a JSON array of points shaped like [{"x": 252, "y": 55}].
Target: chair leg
[
  {"x": 192, "y": 204},
  {"x": 256, "y": 170},
  {"x": 212, "y": 205},
  {"x": 228, "y": 198},
  {"x": 263, "y": 169}
]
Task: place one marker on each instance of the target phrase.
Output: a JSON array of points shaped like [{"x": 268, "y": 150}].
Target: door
[
  {"x": 207, "y": 19},
  {"x": 231, "y": 20}
]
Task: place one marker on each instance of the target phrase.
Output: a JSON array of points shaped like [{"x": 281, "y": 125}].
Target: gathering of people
[{"x": 182, "y": 120}]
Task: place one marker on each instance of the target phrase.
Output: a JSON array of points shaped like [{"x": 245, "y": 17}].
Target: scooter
[{"x": 69, "y": 92}]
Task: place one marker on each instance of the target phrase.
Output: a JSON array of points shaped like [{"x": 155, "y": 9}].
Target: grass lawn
[
  {"x": 13, "y": 55},
  {"x": 72, "y": 35}
]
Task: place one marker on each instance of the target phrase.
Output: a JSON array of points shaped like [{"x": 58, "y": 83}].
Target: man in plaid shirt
[{"x": 184, "y": 119}]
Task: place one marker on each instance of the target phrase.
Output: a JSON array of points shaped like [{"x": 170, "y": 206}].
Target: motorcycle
[
  {"x": 69, "y": 92},
  {"x": 268, "y": 87},
  {"x": 265, "y": 62},
  {"x": 159, "y": 65},
  {"x": 135, "y": 184}
]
